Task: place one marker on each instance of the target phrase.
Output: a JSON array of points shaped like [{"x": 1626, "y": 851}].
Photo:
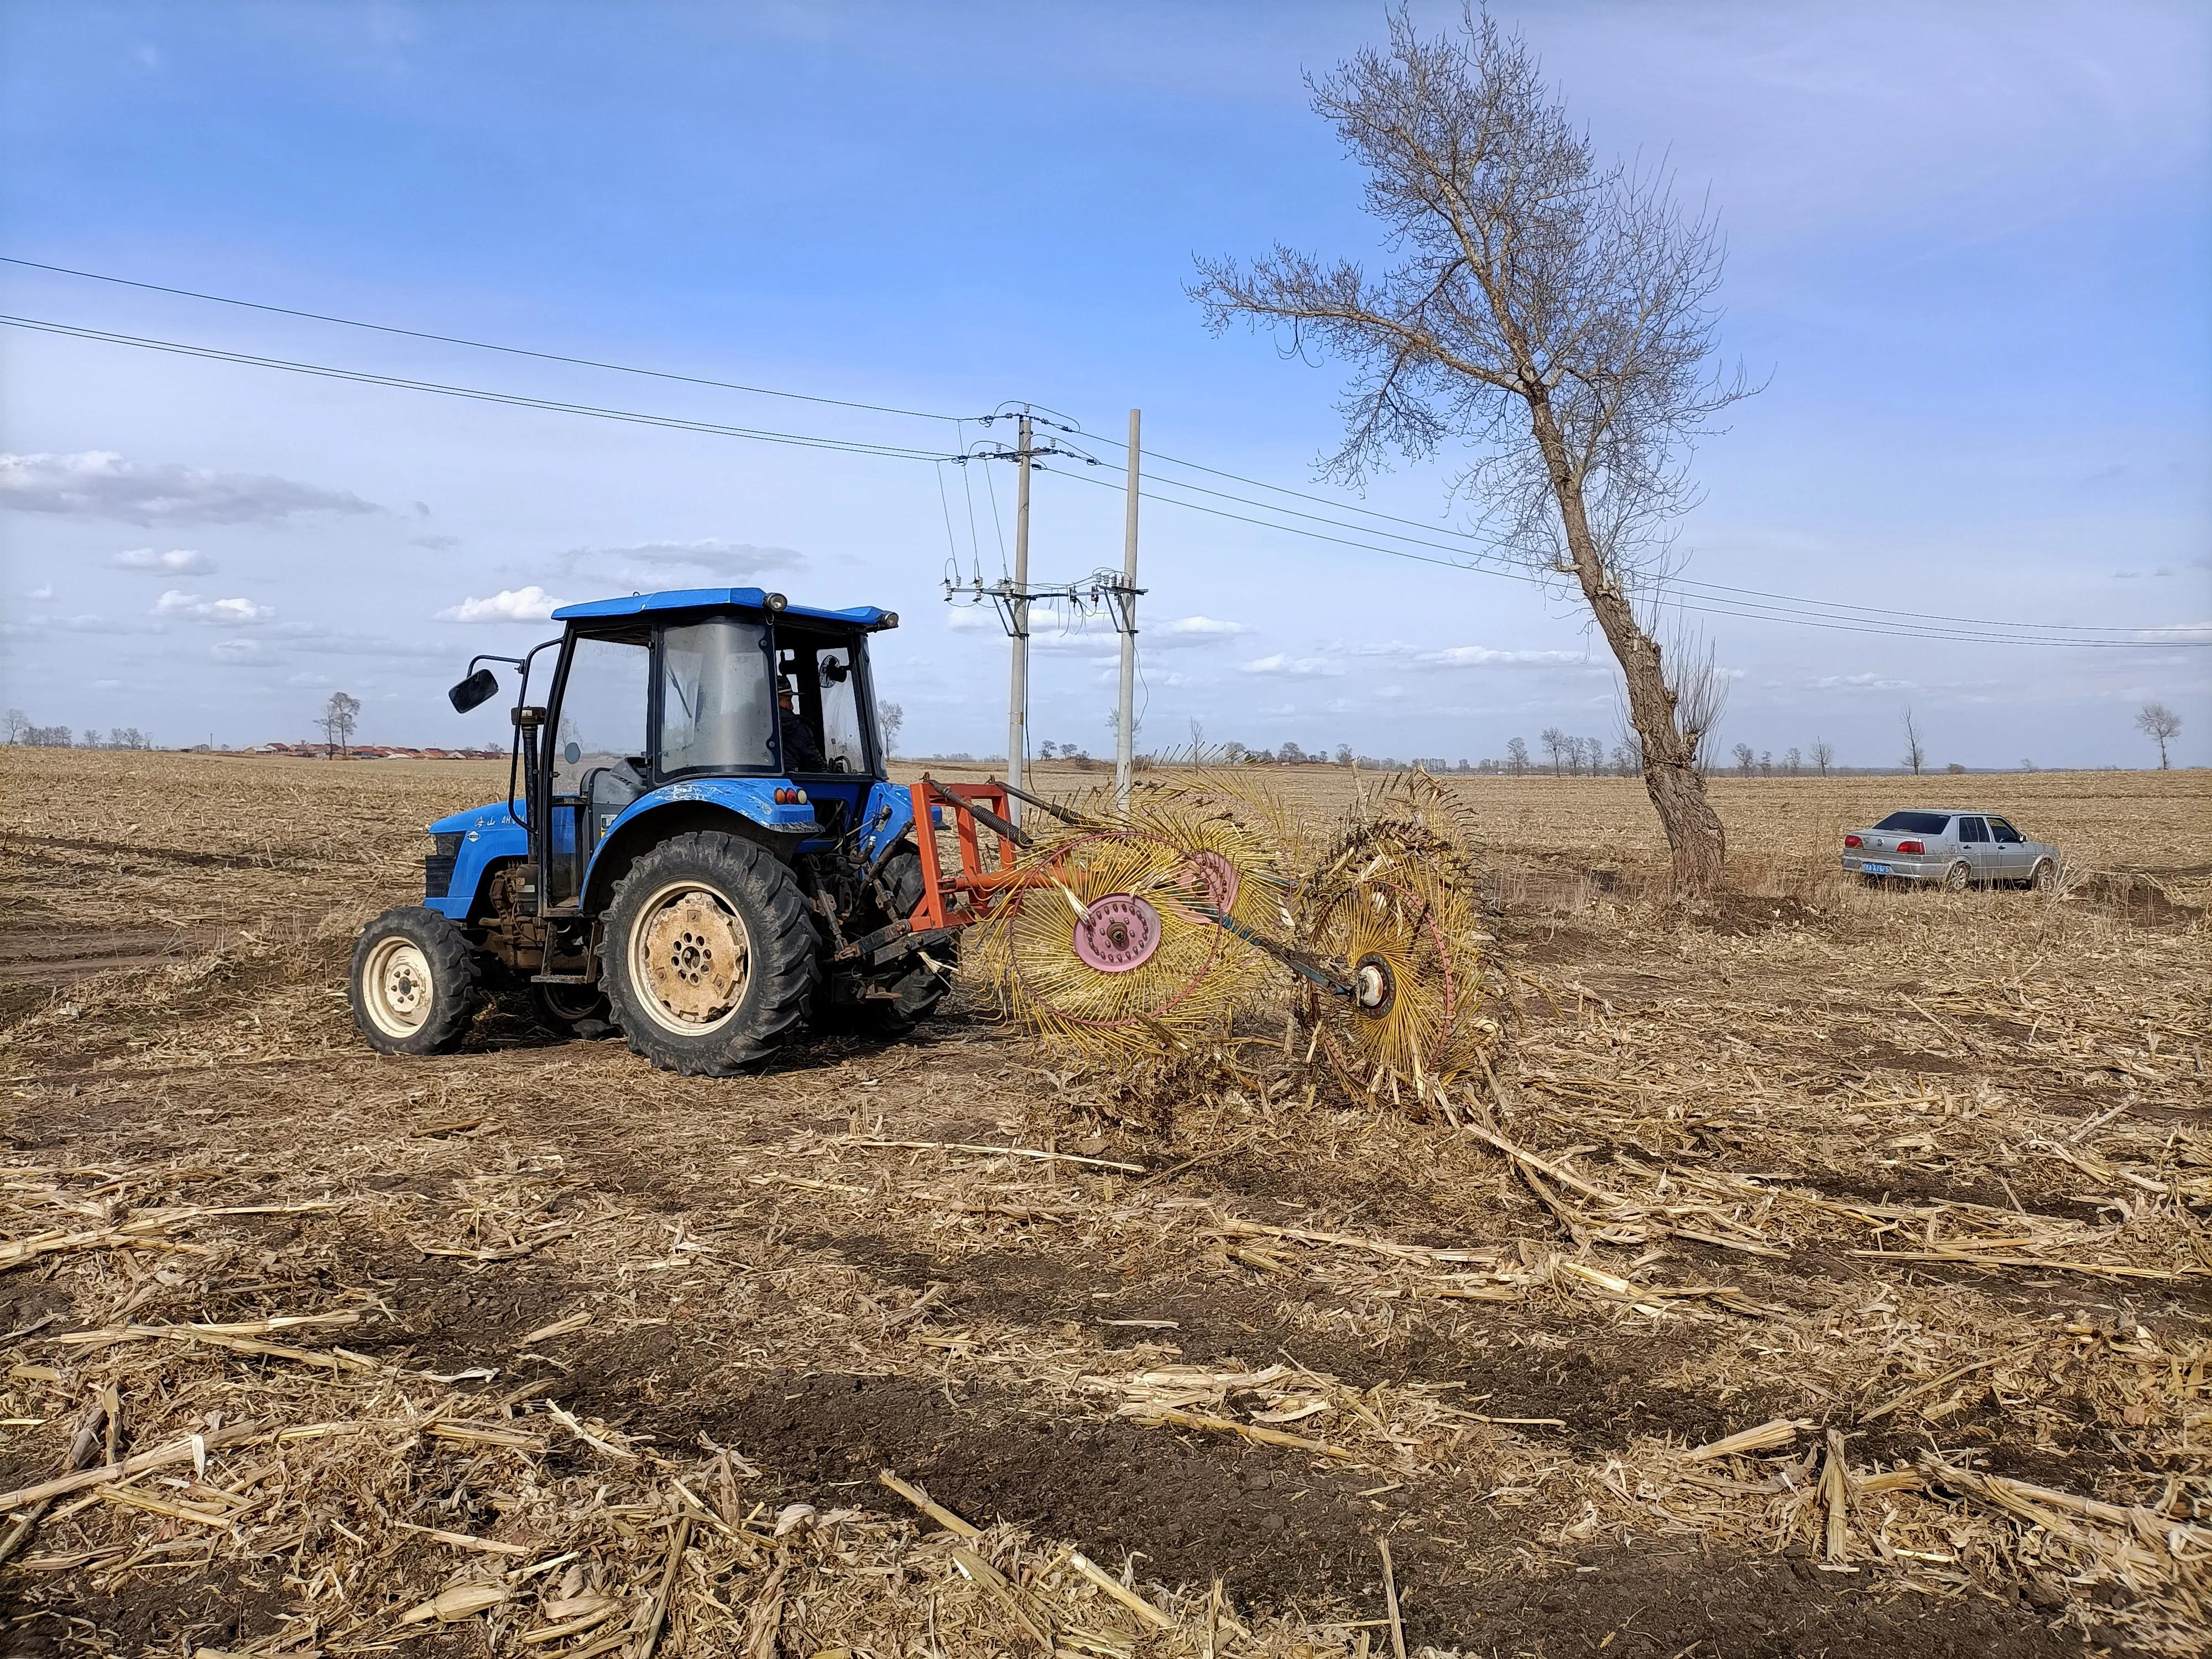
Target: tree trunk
[{"x": 1695, "y": 839}]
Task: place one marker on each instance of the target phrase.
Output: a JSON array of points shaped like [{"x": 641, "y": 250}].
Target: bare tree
[
  {"x": 18, "y": 724},
  {"x": 338, "y": 720},
  {"x": 1744, "y": 760},
  {"x": 2159, "y": 722},
  {"x": 1700, "y": 691},
  {"x": 889, "y": 717},
  {"x": 1915, "y": 755},
  {"x": 1824, "y": 755},
  {"x": 1793, "y": 762},
  {"x": 1554, "y": 312},
  {"x": 1516, "y": 756},
  {"x": 1555, "y": 746}
]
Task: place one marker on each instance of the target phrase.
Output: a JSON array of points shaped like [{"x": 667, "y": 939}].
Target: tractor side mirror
[{"x": 479, "y": 688}]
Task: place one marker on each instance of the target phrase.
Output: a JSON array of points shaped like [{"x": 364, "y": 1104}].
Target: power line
[
  {"x": 480, "y": 345},
  {"x": 1742, "y": 610},
  {"x": 477, "y": 394},
  {"x": 1723, "y": 600},
  {"x": 1716, "y": 588}
]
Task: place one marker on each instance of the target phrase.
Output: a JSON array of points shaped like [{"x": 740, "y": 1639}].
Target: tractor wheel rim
[
  {"x": 689, "y": 958},
  {"x": 396, "y": 987}
]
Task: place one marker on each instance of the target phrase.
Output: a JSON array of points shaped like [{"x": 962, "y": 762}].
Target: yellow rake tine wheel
[{"x": 1399, "y": 919}]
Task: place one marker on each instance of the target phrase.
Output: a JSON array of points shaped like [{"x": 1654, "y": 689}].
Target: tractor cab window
[
  {"x": 822, "y": 715},
  {"x": 601, "y": 728},
  {"x": 716, "y": 712},
  {"x": 841, "y": 742}
]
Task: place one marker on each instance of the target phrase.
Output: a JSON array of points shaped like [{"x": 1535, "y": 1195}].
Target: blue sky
[{"x": 1969, "y": 245}]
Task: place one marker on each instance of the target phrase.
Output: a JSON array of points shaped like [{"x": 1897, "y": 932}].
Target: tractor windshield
[{"x": 716, "y": 712}]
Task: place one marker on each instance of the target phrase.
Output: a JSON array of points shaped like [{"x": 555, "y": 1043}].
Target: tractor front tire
[
  {"x": 708, "y": 955},
  {"x": 415, "y": 985}
]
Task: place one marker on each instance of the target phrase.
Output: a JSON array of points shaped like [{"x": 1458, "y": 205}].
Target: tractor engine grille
[{"x": 438, "y": 867}]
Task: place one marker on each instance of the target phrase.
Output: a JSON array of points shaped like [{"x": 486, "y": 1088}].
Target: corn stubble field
[{"x": 1826, "y": 1271}]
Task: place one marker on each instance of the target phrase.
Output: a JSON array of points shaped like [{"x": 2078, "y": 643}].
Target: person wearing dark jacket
[{"x": 801, "y": 752}]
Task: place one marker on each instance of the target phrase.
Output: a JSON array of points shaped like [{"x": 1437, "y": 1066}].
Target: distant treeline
[{"x": 21, "y": 730}]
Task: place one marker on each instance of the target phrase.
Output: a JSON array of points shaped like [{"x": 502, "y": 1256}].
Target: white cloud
[
  {"x": 43, "y": 591},
  {"x": 509, "y": 604},
  {"x": 245, "y": 654},
  {"x": 711, "y": 553},
  {"x": 1481, "y": 656},
  {"x": 44, "y": 622},
  {"x": 177, "y": 562},
  {"x": 1474, "y": 656},
  {"x": 1284, "y": 666},
  {"x": 1855, "y": 682},
  {"x": 101, "y": 483},
  {"x": 707, "y": 562},
  {"x": 1195, "y": 630},
  {"x": 224, "y": 613}
]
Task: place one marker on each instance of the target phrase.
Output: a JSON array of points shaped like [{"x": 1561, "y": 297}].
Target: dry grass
[{"x": 1827, "y": 1270}]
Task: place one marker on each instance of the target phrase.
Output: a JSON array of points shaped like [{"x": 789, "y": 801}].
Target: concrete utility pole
[
  {"x": 1125, "y": 736},
  {"x": 1018, "y": 613}
]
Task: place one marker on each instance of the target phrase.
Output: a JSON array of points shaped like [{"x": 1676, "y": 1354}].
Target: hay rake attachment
[{"x": 1128, "y": 934}]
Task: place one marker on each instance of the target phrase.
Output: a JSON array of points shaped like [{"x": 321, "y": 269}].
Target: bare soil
[{"x": 782, "y": 1303}]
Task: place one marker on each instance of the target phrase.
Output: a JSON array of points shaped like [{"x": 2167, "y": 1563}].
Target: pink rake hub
[
  {"x": 1118, "y": 932},
  {"x": 1215, "y": 879}
]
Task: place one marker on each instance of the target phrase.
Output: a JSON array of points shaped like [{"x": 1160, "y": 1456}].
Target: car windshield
[{"x": 1916, "y": 824}]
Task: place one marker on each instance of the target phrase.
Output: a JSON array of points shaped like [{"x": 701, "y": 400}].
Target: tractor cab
[
  {"x": 698, "y": 825},
  {"x": 729, "y": 694}
]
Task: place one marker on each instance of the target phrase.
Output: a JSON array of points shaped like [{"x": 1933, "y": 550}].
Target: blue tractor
[{"x": 699, "y": 846}]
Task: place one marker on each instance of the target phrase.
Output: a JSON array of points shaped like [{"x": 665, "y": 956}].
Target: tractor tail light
[
  {"x": 1911, "y": 847},
  {"x": 788, "y": 797},
  {"x": 1853, "y": 840}
]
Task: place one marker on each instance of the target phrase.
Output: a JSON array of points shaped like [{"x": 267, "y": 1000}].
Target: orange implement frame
[{"x": 955, "y": 901}]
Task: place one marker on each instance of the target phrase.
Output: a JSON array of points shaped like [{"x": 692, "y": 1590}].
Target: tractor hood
[
  {"x": 475, "y": 817},
  {"x": 481, "y": 835}
]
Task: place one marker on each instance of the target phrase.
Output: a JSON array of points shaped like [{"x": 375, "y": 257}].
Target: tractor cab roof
[{"x": 726, "y": 599}]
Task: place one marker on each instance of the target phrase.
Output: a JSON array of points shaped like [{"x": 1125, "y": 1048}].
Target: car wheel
[
  {"x": 415, "y": 985},
  {"x": 1957, "y": 878},
  {"x": 708, "y": 955},
  {"x": 2045, "y": 876}
]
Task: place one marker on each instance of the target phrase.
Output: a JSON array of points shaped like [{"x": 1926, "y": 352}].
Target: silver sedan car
[{"x": 1953, "y": 848}]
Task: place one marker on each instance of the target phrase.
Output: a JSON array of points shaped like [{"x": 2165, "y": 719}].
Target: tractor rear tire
[
  {"x": 922, "y": 988},
  {"x": 416, "y": 985},
  {"x": 709, "y": 955},
  {"x": 919, "y": 993}
]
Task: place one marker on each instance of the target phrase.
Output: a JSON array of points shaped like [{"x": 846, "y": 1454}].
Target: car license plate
[{"x": 1873, "y": 869}]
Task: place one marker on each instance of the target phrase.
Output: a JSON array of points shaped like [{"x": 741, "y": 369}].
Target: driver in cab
[{"x": 801, "y": 753}]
